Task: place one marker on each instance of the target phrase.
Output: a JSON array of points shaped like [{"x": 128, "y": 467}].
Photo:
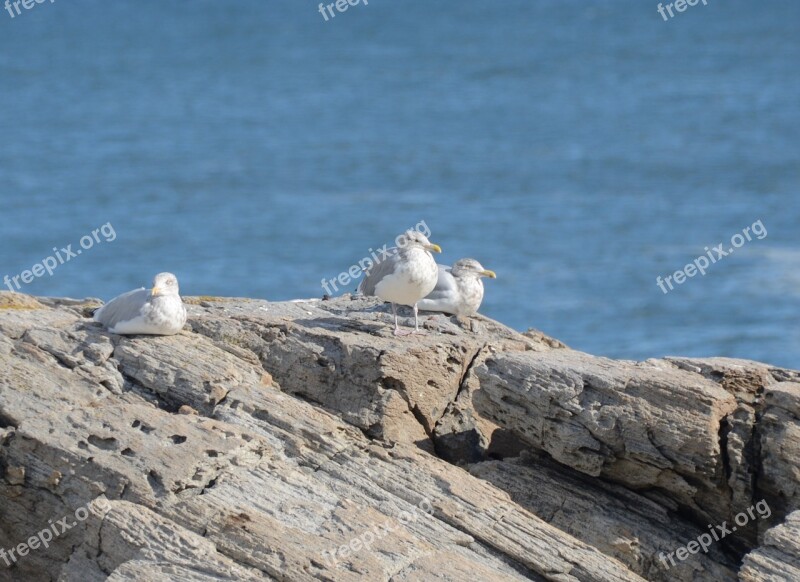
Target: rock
[
  {"x": 646, "y": 426},
  {"x": 10, "y": 300},
  {"x": 778, "y": 560},
  {"x": 303, "y": 441},
  {"x": 761, "y": 438},
  {"x": 137, "y": 544},
  {"x": 618, "y": 522},
  {"x": 778, "y": 450},
  {"x": 15, "y": 475}
]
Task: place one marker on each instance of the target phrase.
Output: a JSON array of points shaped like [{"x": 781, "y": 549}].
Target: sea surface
[{"x": 580, "y": 149}]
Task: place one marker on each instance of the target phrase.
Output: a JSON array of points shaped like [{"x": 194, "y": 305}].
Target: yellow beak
[
  {"x": 488, "y": 273},
  {"x": 434, "y": 248},
  {"x": 155, "y": 291}
]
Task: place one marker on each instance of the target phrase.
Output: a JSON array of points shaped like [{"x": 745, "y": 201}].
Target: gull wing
[
  {"x": 122, "y": 308},
  {"x": 444, "y": 296},
  {"x": 377, "y": 272}
]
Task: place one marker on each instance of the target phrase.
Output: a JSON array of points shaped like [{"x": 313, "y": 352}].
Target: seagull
[
  {"x": 157, "y": 311},
  {"x": 404, "y": 277},
  {"x": 459, "y": 290}
]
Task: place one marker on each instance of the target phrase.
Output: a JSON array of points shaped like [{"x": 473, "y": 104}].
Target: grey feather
[
  {"x": 445, "y": 286},
  {"x": 378, "y": 271},
  {"x": 458, "y": 290},
  {"x": 122, "y": 308}
]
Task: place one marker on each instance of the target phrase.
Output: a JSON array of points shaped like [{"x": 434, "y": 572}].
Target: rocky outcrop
[
  {"x": 778, "y": 559},
  {"x": 303, "y": 441}
]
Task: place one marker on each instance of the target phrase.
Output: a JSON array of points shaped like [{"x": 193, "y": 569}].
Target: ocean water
[{"x": 579, "y": 149}]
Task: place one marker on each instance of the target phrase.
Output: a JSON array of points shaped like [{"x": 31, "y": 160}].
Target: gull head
[
  {"x": 414, "y": 239},
  {"x": 165, "y": 284},
  {"x": 471, "y": 268}
]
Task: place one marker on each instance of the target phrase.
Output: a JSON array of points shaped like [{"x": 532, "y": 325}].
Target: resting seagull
[
  {"x": 156, "y": 311},
  {"x": 404, "y": 277},
  {"x": 459, "y": 290}
]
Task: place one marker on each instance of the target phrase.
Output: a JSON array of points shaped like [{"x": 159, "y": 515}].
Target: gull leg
[
  {"x": 416, "y": 322},
  {"x": 397, "y": 330}
]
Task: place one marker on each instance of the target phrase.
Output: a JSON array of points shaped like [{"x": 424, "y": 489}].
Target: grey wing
[
  {"x": 377, "y": 272},
  {"x": 122, "y": 308},
  {"x": 445, "y": 285},
  {"x": 445, "y": 292}
]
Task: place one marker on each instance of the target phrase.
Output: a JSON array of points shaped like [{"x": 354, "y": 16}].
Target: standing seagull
[
  {"x": 459, "y": 290},
  {"x": 157, "y": 311},
  {"x": 407, "y": 275}
]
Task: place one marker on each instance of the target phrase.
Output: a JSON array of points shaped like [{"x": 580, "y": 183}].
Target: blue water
[{"x": 580, "y": 149}]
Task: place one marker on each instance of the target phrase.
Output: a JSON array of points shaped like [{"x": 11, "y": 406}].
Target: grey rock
[
  {"x": 778, "y": 559},
  {"x": 303, "y": 441}
]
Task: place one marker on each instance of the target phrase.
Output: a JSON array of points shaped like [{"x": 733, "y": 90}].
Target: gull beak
[
  {"x": 488, "y": 273},
  {"x": 434, "y": 248},
  {"x": 155, "y": 291}
]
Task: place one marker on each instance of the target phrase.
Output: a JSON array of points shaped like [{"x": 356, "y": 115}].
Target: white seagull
[
  {"x": 459, "y": 289},
  {"x": 407, "y": 275},
  {"x": 156, "y": 311}
]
